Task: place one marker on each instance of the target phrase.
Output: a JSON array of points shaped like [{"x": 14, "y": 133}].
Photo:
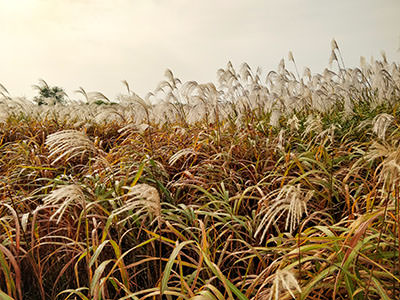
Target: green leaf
[
  {"x": 97, "y": 253},
  {"x": 170, "y": 263},
  {"x": 96, "y": 277},
  {"x": 139, "y": 173},
  {"x": 4, "y": 296},
  {"x": 317, "y": 279},
  {"x": 221, "y": 277},
  {"x": 380, "y": 289}
]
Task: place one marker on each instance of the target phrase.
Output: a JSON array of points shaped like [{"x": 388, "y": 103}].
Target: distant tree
[{"x": 49, "y": 95}]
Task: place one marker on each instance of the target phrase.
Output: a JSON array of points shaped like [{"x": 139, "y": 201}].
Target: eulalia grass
[{"x": 262, "y": 186}]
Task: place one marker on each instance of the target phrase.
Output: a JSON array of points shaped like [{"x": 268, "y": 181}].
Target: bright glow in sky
[{"x": 97, "y": 43}]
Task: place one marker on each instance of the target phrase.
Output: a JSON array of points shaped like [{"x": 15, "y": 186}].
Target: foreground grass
[{"x": 247, "y": 201}]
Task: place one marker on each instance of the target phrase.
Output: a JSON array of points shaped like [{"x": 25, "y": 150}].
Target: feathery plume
[
  {"x": 334, "y": 45},
  {"x": 71, "y": 144},
  {"x": 274, "y": 117},
  {"x": 313, "y": 124},
  {"x": 307, "y": 73},
  {"x": 290, "y": 200},
  {"x": 381, "y": 123},
  {"x": 181, "y": 153},
  {"x": 290, "y": 56},
  {"x": 140, "y": 198},
  {"x": 283, "y": 281},
  {"x": 281, "y": 66},
  {"x": 293, "y": 123},
  {"x": 62, "y": 198},
  {"x": 332, "y": 58},
  {"x": 389, "y": 168}
]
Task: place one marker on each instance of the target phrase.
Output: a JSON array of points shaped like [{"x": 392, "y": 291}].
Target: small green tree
[{"x": 49, "y": 95}]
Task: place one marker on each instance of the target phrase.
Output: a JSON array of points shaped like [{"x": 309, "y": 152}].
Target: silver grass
[
  {"x": 281, "y": 140},
  {"x": 313, "y": 124},
  {"x": 140, "y": 128},
  {"x": 109, "y": 114},
  {"x": 389, "y": 168},
  {"x": 281, "y": 66},
  {"x": 381, "y": 123},
  {"x": 328, "y": 74},
  {"x": 71, "y": 144},
  {"x": 4, "y": 92},
  {"x": 62, "y": 198},
  {"x": 307, "y": 73},
  {"x": 140, "y": 198},
  {"x": 171, "y": 78},
  {"x": 3, "y": 116},
  {"x": 82, "y": 91},
  {"x": 290, "y": 56},
  {"x": 245, "y": 72},
  {"x": 284, "y": 281},
  {"x": 363, "y": 64},
  {"x": 181, "y": 153},
  {"x": 290, "y": 200},
  {"x": 274, "y": 117},
  {"x": 97, "y": 96},
  {"x": 328, "y": 134},
  {"x": 383, "y": 54},
  {"x": 293, "y": 123},
  {"x": 334, "y": 45},
  {"x": 196, "y": 113},
  {"x": 126, "y": 84},
  {"x": 243, "y": 90},
  {"x": 332, "y": 58},
  {"x": 3, "y": 89}
]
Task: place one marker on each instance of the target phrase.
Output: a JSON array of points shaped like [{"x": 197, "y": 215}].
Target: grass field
[{"x": 264, "y": 187}]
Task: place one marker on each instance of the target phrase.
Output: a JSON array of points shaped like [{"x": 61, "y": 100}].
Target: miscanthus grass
[{"x": 262, "y": 186}]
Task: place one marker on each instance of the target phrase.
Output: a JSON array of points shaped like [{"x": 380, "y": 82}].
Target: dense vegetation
[{"x": 280, "y": 188}]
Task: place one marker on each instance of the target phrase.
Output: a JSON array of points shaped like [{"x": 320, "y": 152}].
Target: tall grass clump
[{"x": 276, "y": 186}]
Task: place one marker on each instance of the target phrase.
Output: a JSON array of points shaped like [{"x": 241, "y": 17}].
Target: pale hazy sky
[{"x": 97, "y": 43}]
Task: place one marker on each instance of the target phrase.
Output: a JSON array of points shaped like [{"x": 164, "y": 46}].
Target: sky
[{"x": 95, "y": 44}]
